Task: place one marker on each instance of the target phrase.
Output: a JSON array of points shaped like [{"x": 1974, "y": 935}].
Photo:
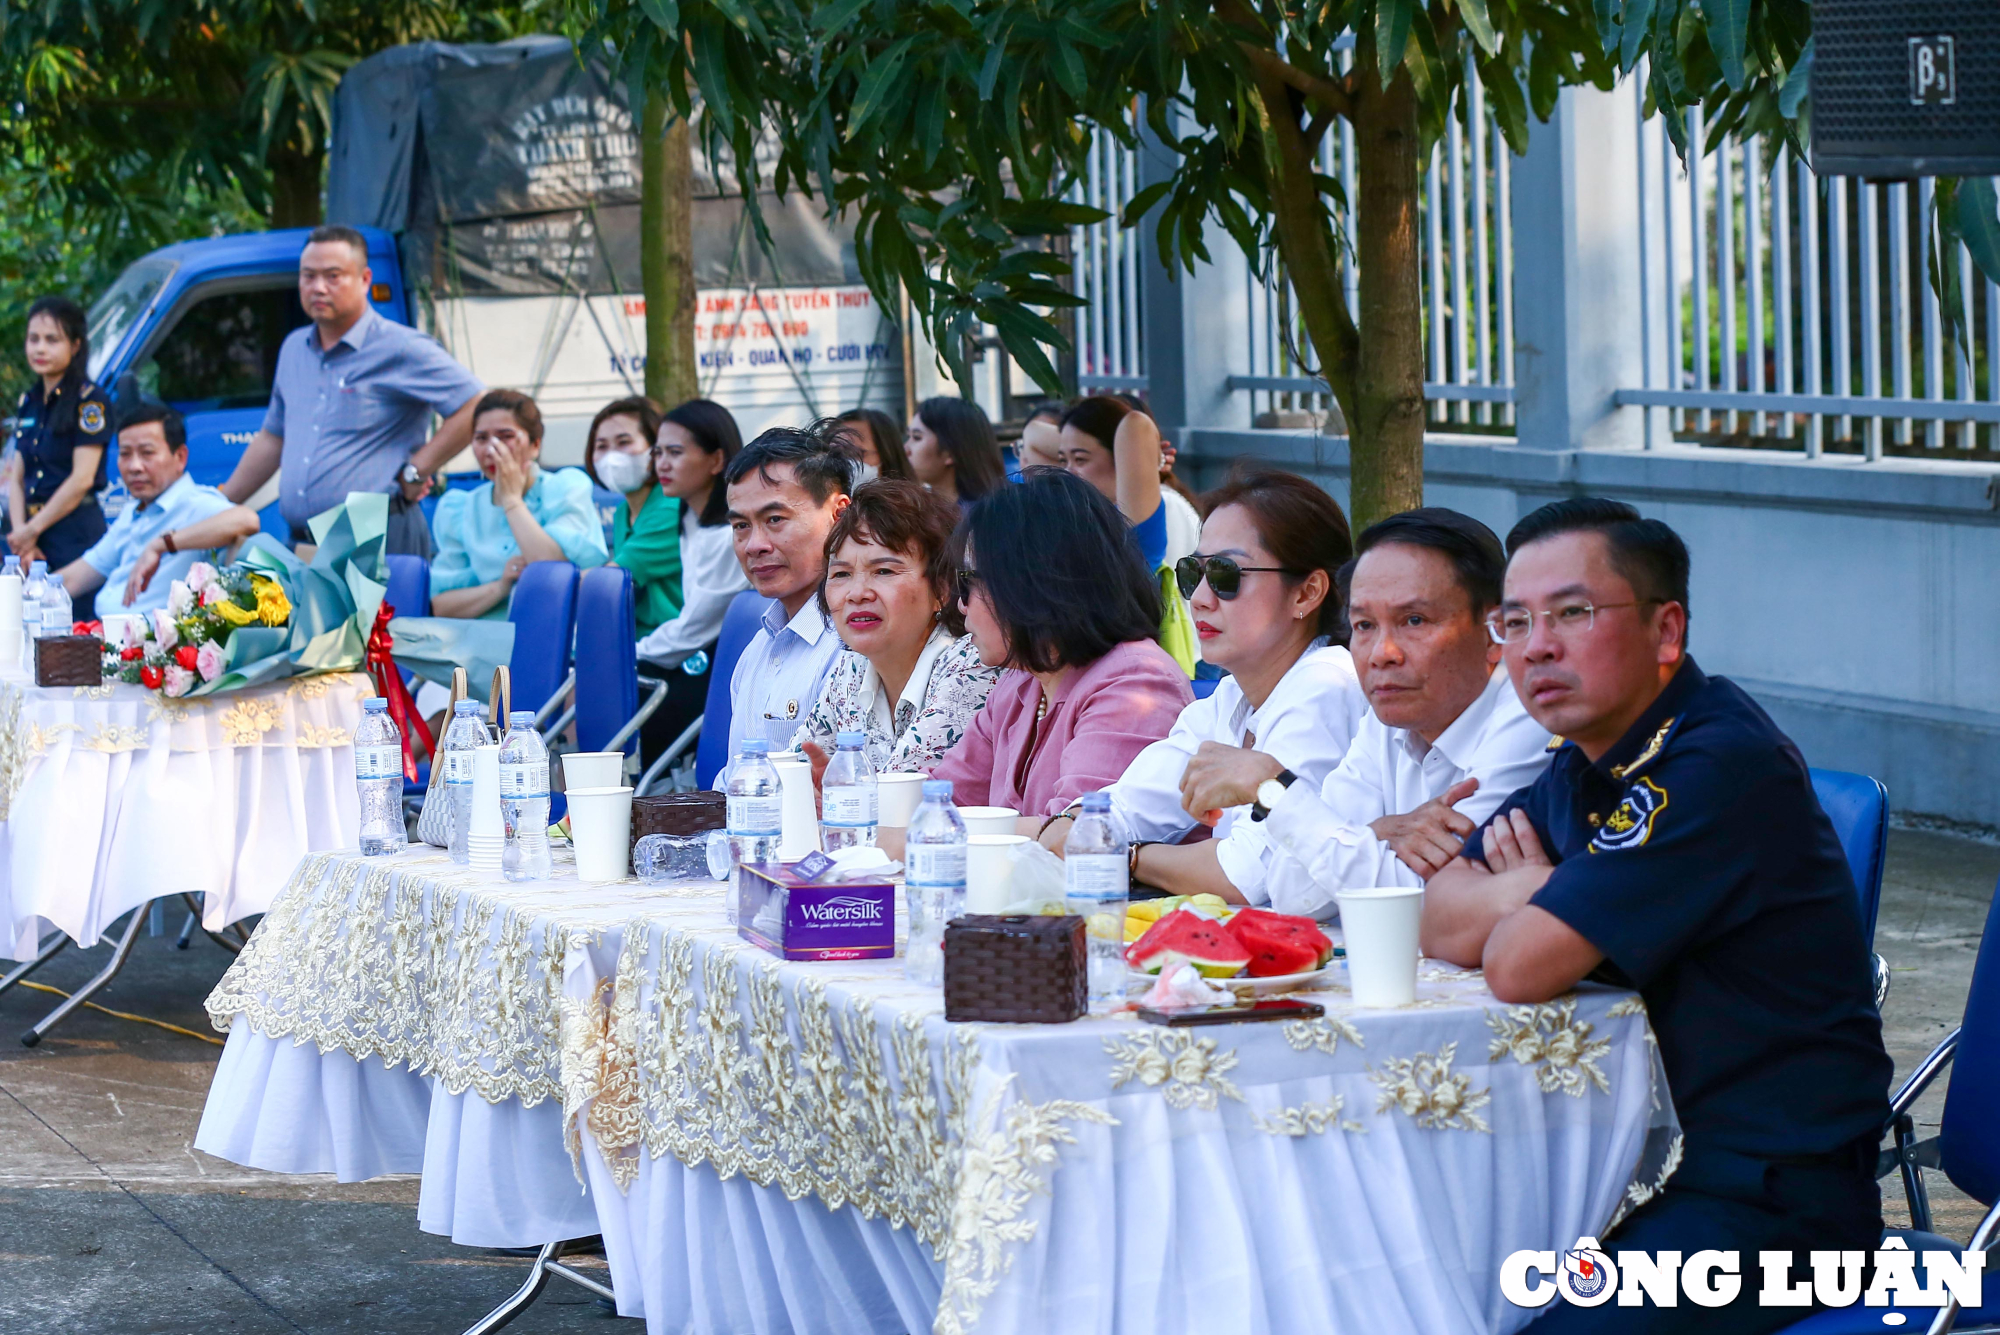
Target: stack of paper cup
[
  {"x": 800, "y": 831},
  {"x": 899, "y": 797},
  {"x": 600, "y": 829},
  {"x": 1381, "y": 926},
  {"x": 10, "y": 619},
  {"x": 989, "y": 820},
  {"x": 488, "y": 835},
  {"x": 989, "y": 871}
]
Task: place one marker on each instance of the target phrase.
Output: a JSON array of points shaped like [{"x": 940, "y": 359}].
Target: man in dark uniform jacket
[{"x": 1674, "y": 845}]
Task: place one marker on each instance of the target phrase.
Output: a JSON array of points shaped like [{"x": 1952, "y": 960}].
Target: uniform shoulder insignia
[
  {"x": 90, "y": 417},
  {"x": 1630, "y": 823},
  {"x": 1646, "y": 753},
  {"x": 1555, "y": 744}
]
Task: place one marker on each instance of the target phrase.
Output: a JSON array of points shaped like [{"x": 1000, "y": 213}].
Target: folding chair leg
[
  {"x": 95, "y": 985},
  {"x": 547, "y": 1265},
  {"x": 187, "y": 931},
  {"x": 1913, "y": 1176},
  {"x": 48, "y": 952}
]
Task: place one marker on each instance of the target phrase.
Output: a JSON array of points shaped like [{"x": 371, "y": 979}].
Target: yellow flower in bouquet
[
  {"x": 233, "y": 613},
  {"x": 273, "y": 608}
]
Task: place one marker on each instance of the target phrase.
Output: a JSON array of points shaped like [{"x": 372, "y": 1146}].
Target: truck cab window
[{"x": 222, "y": 351}]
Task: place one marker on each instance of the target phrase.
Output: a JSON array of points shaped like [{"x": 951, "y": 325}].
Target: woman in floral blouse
[{"x": 910, "y": 677}]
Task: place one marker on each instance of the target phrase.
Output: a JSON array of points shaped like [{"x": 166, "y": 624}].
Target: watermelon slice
[
  {"x": 1277, "y": 957},
  {"x": 1256, "y": 927},
  {"x": 1183, "y": 935}
]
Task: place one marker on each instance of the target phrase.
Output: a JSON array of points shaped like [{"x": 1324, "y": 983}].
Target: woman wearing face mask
[
  {"x": 62, "y": 431},
  {"x": 877, "y": 446},
  {"x": 1262, "y": 589},
  {"x": 523, "y": 513},
  {"x": 910, "y": 677},
  {"x": 953, "y": 451},
  {"x": 646, "y": 533}
]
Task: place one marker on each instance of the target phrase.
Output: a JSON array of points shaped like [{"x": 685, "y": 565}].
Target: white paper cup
[
  {"x": 989, "y": 820},
  {"x": 486, "y": 792},
  {"x": 600, "y": 829},
  {"x": 593, "y": 769},
  {"x": 114, "y": 624},
  {"x": 899, "y": 796},
  {"x": 1381, "y": 928},
  {"x": 989, "y": 871},
  {"x": 799, "y": 833}
]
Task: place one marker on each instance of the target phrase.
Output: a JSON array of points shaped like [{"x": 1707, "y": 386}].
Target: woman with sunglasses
[
  {"x": 1263, "y": 593},
  {"x": 1054, "y": 590}
]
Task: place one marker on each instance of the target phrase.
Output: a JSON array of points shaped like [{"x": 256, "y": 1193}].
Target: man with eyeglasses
[
  {"x": 1674, "y": 845},
  {"x": 1444, "y": 739}
]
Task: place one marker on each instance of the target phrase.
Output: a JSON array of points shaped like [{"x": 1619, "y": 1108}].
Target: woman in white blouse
[
  {"x": 909, "y": 677},
  {"x": 695, "y": 444},
  {"x": 1262, "y": 588}
]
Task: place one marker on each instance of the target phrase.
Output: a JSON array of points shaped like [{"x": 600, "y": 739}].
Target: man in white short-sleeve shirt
[{"x": 1445, "y": 740}]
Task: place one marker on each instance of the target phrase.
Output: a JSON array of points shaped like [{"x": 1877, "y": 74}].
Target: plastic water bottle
[
  {"x": 56, "y": 607},
  {"x": 31, "y": 609},
  {"x": 378, "y": 772},
  {"x": 1096, "y": 885},
  {"x": 755, "y": 806},
  {"x": 466, "y": 733},
  {"x": 933, "y": 881},
  {"x": 524, "y": 800},
  {"x": 849, "y": 800}
]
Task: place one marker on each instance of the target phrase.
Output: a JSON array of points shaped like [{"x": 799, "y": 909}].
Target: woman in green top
[{"x": 646, "y": 534}]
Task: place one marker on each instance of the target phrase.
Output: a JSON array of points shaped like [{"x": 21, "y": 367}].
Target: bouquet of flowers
[{"x": 186, "y": 644}]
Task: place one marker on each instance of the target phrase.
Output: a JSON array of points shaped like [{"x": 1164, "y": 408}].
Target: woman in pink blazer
[{"x": 1054, "y": 590}]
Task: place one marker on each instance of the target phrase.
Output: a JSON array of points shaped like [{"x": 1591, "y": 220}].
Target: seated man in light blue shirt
[
  {"x": 785, "y": 489},
  {"x": 171, "y": 523},
  {"x": 487, "y": 536}
]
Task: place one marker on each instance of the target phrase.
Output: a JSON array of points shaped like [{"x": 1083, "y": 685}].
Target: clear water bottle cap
[
  {"x": 937, "y": 790},
  {"x": 38, "y": 568},
  {"x": 521, "y": 718},
  {"x": 464, "y": 707},
  {"x": 1099, "y": 801},
  {"x": 694, "y": 665},
  {"x": 853, "y": 739},
  {"x": 13, "y": 566},
  {"x": 374, "y": 704},
  {"x": 754, "y": 746}
]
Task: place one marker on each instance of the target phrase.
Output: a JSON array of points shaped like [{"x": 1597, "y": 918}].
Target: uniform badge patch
[
  {"x": 91, "y": 417},
  {"x": 1630, "y": 823}
]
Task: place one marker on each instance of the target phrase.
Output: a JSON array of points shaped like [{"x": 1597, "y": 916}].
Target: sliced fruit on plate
[
  {"x": 1277, "y": 957},
  {"x": 1253, "y": 926},
  {"x": 1182, "y": 935}
]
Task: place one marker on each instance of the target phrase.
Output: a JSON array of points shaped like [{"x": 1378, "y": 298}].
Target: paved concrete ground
[{"x": 111, "y": 1223}]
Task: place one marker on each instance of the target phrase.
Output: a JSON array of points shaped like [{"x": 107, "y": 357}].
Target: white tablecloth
[
  {"x": 406, "y": 1015},
  {"x": 113, "y": 795},
  {"x": 811, "y": 1148}
]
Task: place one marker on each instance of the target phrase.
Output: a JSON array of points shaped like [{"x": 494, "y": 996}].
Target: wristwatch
[
  {"x": 1269, "y": 792},
  {"x": 409, "y": 474}
]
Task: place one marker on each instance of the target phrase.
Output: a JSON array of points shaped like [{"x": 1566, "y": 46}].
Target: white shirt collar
[
  {"x": 808, "y": 623},
  {"x": 1458, "y": 742}
]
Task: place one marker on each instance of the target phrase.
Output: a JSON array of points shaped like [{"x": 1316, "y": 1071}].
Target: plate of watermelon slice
[{"x": 1252, "y": 951}]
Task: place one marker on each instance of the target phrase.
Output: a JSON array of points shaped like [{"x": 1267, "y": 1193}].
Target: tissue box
[
  {"x": 1016, "y": 968},
  {"x": 69, "y": 660},
  {"x": 797, "y": 919}
]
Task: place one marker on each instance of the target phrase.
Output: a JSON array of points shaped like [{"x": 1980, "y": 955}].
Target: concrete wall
[{"x": 1857, "y": 602}]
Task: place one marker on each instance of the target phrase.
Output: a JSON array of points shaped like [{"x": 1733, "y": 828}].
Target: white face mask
[
  {"x": 863, "y": 473},
  {"x": 622, "y": 472}
]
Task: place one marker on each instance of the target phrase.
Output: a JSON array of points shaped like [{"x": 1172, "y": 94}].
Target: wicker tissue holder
[
  {"x": 69, "y": 660},
  {"x": 1016, "y": 968}
]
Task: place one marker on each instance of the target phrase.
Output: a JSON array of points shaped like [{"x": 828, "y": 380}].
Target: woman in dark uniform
[{"x": 62, "y": 429}]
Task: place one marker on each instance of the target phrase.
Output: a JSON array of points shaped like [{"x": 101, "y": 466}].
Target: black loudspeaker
[{"x": 1906, "y": 88}]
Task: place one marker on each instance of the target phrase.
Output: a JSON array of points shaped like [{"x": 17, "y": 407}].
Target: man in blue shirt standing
[
  {"x": 1674, "y": 845},
  {"x": 171, "y": 523},
  {"x": 353, "y": 394}
]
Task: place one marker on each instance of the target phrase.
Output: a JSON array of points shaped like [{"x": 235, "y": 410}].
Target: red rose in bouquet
[
  {"x": 131, "y": 653},
  {"x": 187, "y": 655},
  {"x": 152, "y": 677}
]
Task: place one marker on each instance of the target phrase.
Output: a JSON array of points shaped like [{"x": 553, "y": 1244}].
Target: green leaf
[
  {"x": 1392, "y": 35},
  {"x": 1510, "y": 108},
  {"x": 1798, "y": 83},
  {"x": 1977, "y": 221},
  {"x": 838, "y": 15},
  {"x": 1937, "y": 262},
  {"x": 1544, "y": 79},
  {"x": 1608, "y": 31},
  {"x": 880, "y": 77},
  {"x": 1137, "y": 206},
  {"x": 666, "y": 14},
  {"x": 1728, "y": 23},
  {"x": 1638, "y": 18},
  {"x": 1480, "y": 24}
]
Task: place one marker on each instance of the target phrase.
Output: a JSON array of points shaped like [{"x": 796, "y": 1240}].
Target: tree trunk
[
  {"x": 666, "y": 252},
  {"x": 1386, "y": 427},
  {"x": 295, "y": 177}
]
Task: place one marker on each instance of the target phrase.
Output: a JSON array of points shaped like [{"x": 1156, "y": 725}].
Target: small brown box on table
[
  {"x": 1016, "y": 968},
  {"x": 69, "y": 660},
  {"x": 678, "y": 813}
]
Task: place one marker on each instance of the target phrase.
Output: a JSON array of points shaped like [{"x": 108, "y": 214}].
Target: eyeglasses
[
  {"x": 1224, "y": 576},
  {"x": 1514, "y": 625},
  {"x": 967, "y": 579}
]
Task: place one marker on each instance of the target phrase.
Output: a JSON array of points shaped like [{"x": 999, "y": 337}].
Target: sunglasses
[
  {"x": 1224, "y": 576},
  {"x": 968, "y": 578}
]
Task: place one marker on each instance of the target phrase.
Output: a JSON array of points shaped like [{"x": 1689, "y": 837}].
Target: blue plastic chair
[
  {"x": 1858, "y": 806},
  {"x": 1966, "y": 1148},
  {"x": 739, "y": 626},
  {"x": 1204, "y": 687},
  {"x": 409, "y": 589},
  {"x": 608, "y": 709},
  {"x": 544, "y": 615}
]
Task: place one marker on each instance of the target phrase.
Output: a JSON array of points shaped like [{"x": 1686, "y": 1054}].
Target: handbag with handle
[{"x": 434, "y": 822}]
